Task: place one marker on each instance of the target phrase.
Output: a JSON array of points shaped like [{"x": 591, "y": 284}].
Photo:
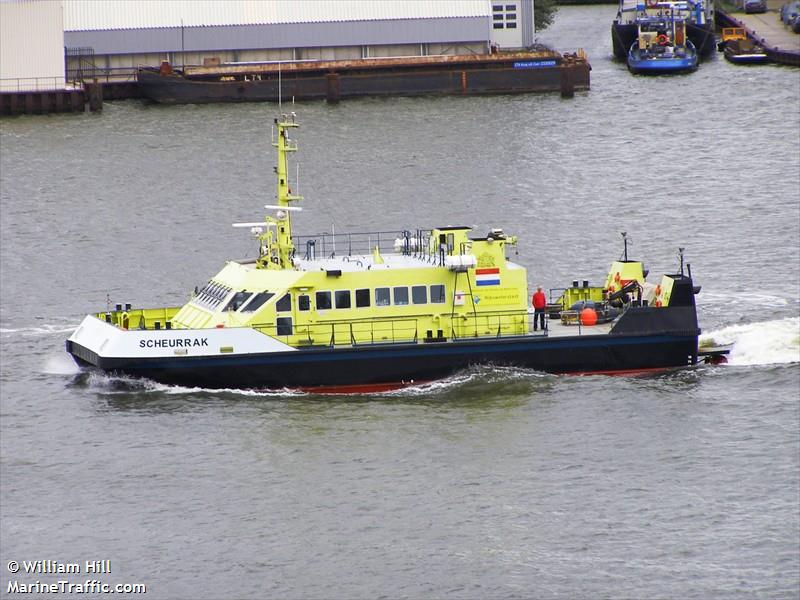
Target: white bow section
[{"x": 109, "y": 341}]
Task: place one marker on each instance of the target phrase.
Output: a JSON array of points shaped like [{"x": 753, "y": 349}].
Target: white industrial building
[
  {"x": 44, "y": 42},
  {"x": 31, "y": 46},
  {"x": 119, "y": 35}
]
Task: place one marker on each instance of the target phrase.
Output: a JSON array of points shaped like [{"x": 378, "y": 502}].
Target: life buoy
[
  {"x": 662, "y": 40},
  {"x": 652, "y": 3},
  {"x": 658, "y": 303}
]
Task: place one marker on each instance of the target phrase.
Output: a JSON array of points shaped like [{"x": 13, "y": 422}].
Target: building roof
[{"x": 98, "y": 15}]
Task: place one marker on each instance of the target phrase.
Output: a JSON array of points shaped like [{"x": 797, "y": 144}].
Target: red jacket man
[{"x": 539, "y": 302}]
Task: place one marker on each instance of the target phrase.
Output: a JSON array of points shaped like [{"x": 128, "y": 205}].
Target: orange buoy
[
  {"x": 658, "y": 303},
  {"x": 658, "y": 290},
  {"x": 588, "y": 317},
  {"x": 616, "y": 277}
]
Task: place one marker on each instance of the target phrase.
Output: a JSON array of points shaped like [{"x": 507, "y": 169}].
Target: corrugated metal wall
[
  {"x": 88, "y": 15},
  {"x": 289, "y": 35},
  {"x": 31, "y": 45}
]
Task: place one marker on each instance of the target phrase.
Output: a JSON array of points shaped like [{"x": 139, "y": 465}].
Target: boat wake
[
  {"x": 60, "y": 364},
  {"x": 37, "y": 331},
  {"x": 476, "y": 379},
  {"x": 765, "y": 343},
  {"x": 107, "y": 383}
]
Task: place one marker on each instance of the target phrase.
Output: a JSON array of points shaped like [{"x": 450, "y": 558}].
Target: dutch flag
[{"x": 487, "y": 276}]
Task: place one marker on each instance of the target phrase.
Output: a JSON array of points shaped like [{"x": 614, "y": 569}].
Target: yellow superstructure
[{"x": 430, "y": 285}]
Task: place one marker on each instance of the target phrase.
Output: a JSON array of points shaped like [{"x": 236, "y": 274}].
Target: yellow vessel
[{"x": 377, "y": 310}]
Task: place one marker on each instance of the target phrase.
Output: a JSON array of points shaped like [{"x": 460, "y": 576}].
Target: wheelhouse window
[
  {"x": 419, "y": 294},
  {"x": 283, "y": 325},
  {"x": 304, "y": 302},
  {"x": 238, "y": 300},
  {"x": 284, "y": 304},
  {"x": 382, "y": 296},
  {"x": 400, "y": 296},
  {"x": 257, "y": 301},
  {"x": 437, "y": 294},
  {"x": 342, "y": 298},
  {"x": 323, "y": 300},
  {"x": 362, "y": 298}
]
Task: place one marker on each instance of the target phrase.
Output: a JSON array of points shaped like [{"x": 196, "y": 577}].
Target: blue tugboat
[
  {"x": 662, "y": 46},
  {"x": 698, "y": 16}
]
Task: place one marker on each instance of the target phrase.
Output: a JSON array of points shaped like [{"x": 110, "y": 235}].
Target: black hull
[
  {"x": 498, "y": 79},
  {"x": 670, "y": 341},
  {"x": 623, "y": 35}
]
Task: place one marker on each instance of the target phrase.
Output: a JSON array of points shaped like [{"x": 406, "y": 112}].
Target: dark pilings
[
  {"x": 42, "y": 102},
  {"x": 567, "y": 81},
  {"x": 333, "y": 88},
  {"x": 94, "y": 91}
]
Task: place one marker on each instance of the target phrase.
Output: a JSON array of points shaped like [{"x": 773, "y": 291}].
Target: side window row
[{"x": 384, "y": 296}]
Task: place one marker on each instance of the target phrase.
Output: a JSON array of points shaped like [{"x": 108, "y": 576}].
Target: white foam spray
[
  {"x": 60, "y": 364},
  {"x": 766, "y": 343}
]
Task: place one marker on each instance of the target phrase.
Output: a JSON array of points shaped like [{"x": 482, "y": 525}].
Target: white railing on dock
[{"x": 35, "y": 84}]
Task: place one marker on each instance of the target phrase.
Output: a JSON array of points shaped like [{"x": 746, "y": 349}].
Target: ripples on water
[{"x": 493, "y": 483}]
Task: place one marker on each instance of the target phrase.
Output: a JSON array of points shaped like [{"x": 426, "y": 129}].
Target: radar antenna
[{"x": 625, "y": 246}]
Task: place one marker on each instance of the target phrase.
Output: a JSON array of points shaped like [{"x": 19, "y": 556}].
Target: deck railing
[
  {"x": 357, "y": 332},
  {"x": 362, "y": 243}
]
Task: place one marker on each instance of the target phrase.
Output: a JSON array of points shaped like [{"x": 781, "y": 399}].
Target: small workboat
[
  {"x": 662, "y": 46},
  {"x": 373, "y": 311},
  {"x": 740, "y": 49}
]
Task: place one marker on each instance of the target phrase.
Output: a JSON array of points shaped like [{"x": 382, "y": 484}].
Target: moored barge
[{"x": 332, "y": 80}]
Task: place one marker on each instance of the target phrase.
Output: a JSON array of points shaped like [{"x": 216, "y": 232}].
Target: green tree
[{"x": 544, "y": 11}]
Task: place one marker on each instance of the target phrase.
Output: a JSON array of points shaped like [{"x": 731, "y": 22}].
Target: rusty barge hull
[{"x": 335, "y": 80}]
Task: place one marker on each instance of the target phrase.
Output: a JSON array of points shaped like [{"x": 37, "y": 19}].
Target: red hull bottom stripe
[
  {"x": 361, "y": 388},
  {"x": 623, "y": 372},
  {"x": 375, "y": 388}
]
